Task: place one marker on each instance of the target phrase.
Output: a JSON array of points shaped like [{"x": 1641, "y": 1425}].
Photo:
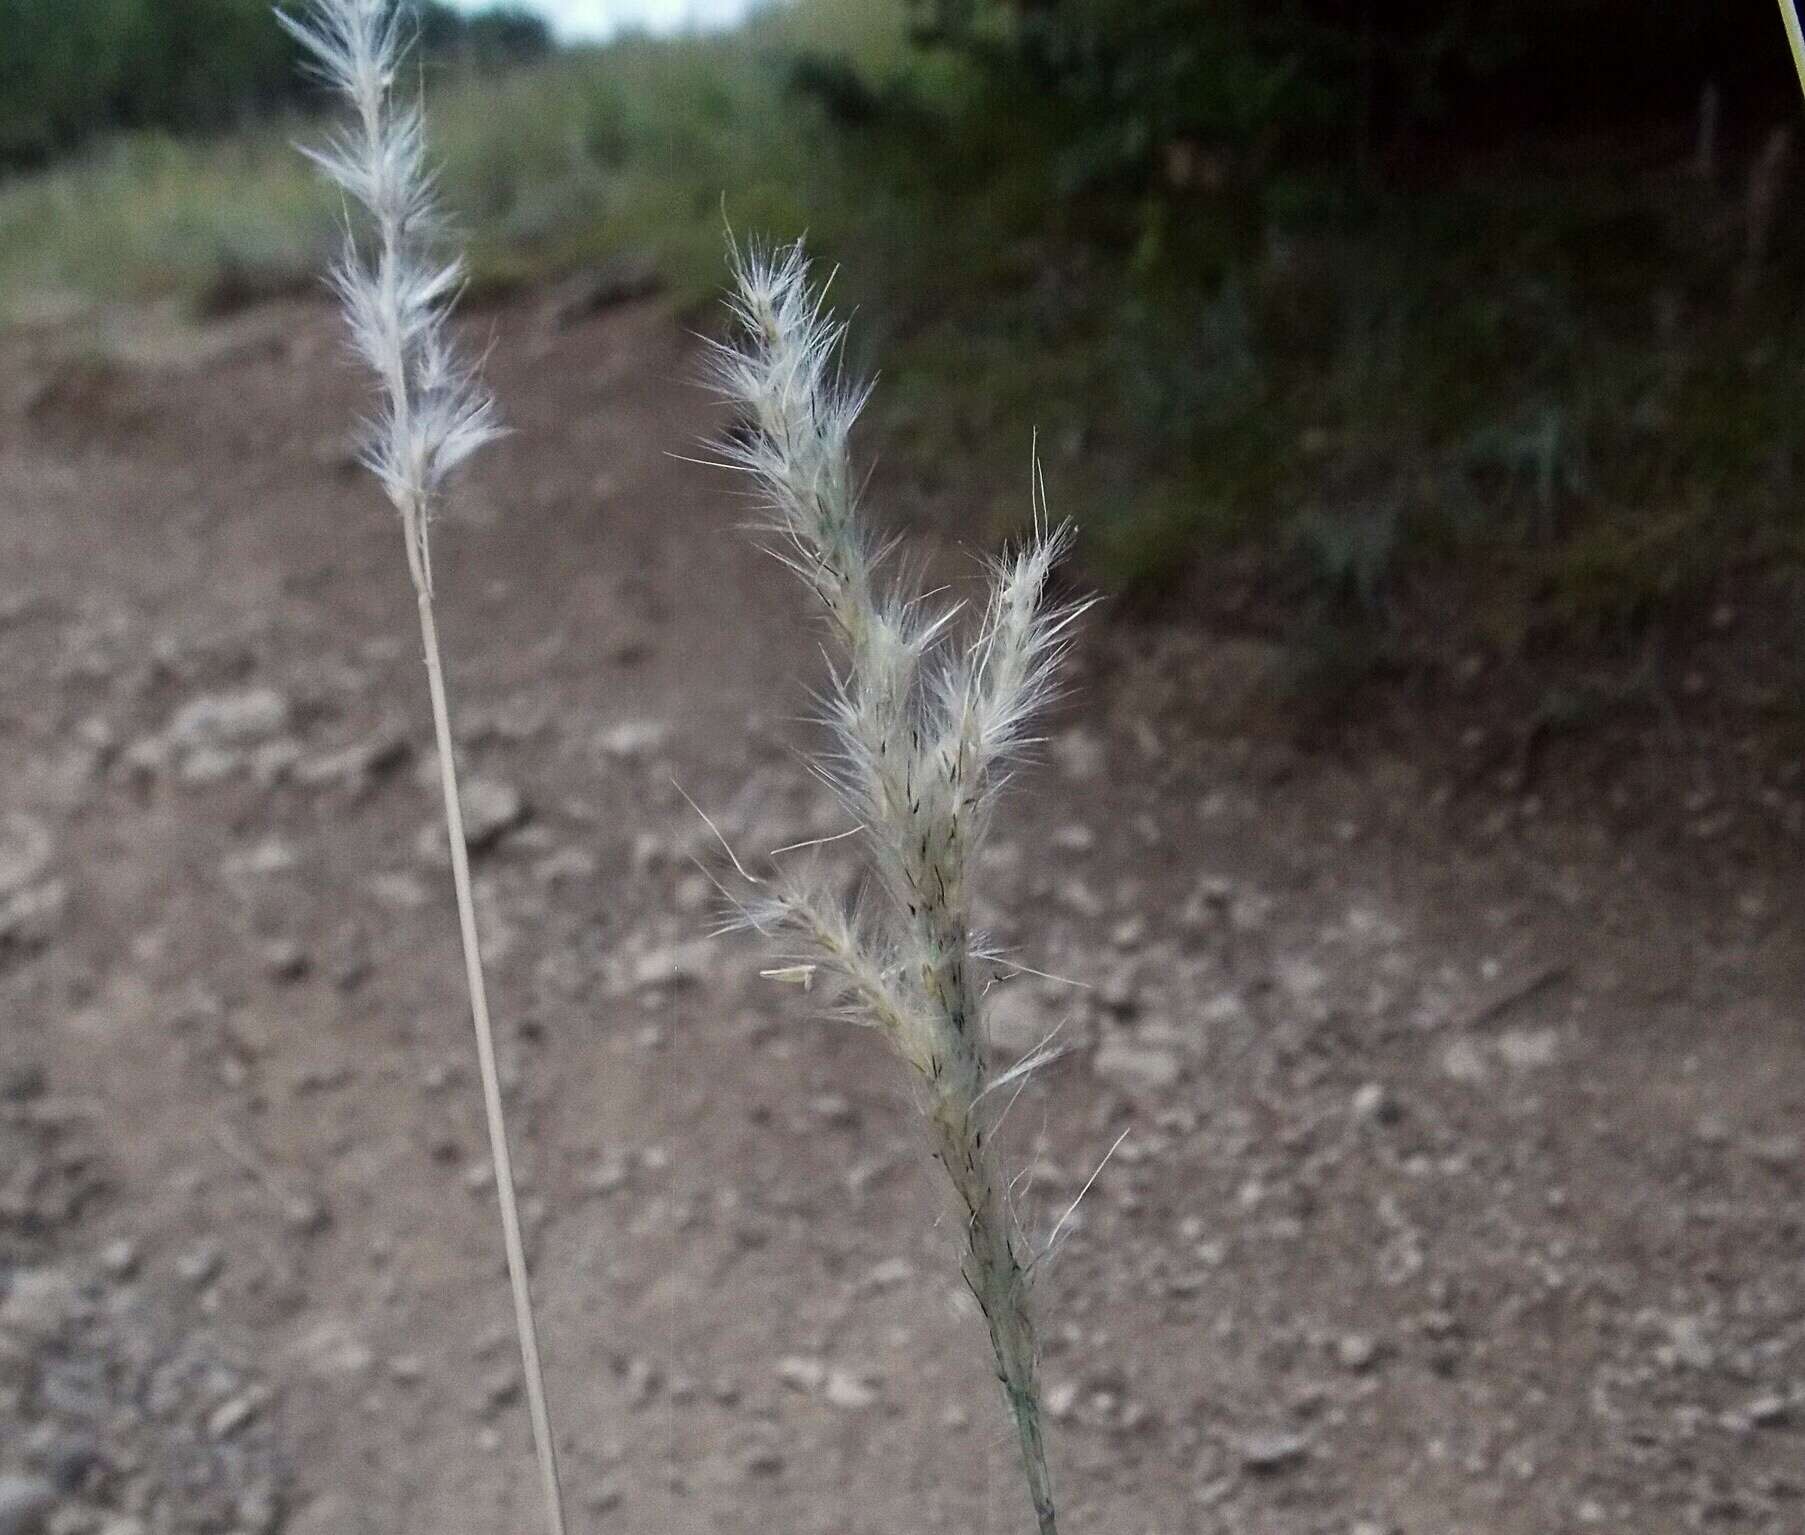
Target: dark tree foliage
[
  {"x": 493, "y": 38},
  {"x": 60, "y": 68},
  {"x": 71, "y": 68},
  {"x": 1371, "y": 77}
]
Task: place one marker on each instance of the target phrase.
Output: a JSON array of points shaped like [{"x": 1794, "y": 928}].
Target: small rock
[
  {"x": 234, "y": 1414},
  {"x": 644, "y": 1380},
  {"x": 273, "y": 761},
  {"x": 25, "y": 1504},
  {"x": 1373, "y": 1102},
  {"x": 674, "y": 966},
  {"x": 25, "y": 848},
  {"x": 270, "y": 856},
  {"x": 631, "y": 738},
  {"x": 331, "y": 1350},
  {"x": 1209, "y": 906},
  {"x": 201, "y": 1264},
  {"x": 694, "y": 894},
  {"x": 1120, "y": 992},
  {"x": 205, "y": 764},
  {"x": 228, "y": 719},
  {"x": 834, "y": 1383},
  {"x": 1135, "y": 1068},
  {"x": 259, "y": 1507},
  {"x": 1525, "y": 1049},
  {"x": 1078, "y": 753},
  {"x": 1015, "y": 1021},
  {"x": 121, "y": 1258},
  {"x": 844, "y": 1389},
  {"x": 400, "y": 891},
  {"x": 69, "y": 1459},
  {"x": 1463, "y": 1062},
  {"x": 608, "y": 1175},
  {"x": 1356, "y": 1351},
  {"x": 352, "y": 769},
  {"x": 30, "y": 917},
  {"x": 1768, "y": 1411},
  {"x": 1714, "y": 1128},
  {"x": 519, "y": 718},
  {"x": 1688, "y": 1344},
  {"x": 802, "y": 1373},
  {"x": 761, "y": 1461},
  {"x": 285, "y": 960},
  {"x": 1270, "y": 1453},
  {"x": 605, "y": 1497},
  {"x": 492, "y": 808},
  {"x": 1129, "y": 934},
  {"x": 568, "y": 865},
  {"x": 501, "y": 1390},
  {"x": 1078, "y": 898},
  {"x": 889, "y": 1274},
  {"x": 833, "y": 1109},
  {"x": 306, "y": 1214},
  {"x": 38, "y": 1304}
]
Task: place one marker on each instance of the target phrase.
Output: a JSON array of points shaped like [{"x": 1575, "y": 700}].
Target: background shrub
[{"x": 74, "y": 68}]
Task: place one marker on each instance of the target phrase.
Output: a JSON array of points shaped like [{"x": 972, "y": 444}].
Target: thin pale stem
[
  {"x": 1789, "y": 16},
  {"x": 1012, "y": 1342},
  {"x": 997, "y": 1281},
  {"x": 485, "y": 1052}
]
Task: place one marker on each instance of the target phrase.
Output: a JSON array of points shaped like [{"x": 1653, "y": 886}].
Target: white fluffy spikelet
[
  {"x": 925, "y": 733},
  {"x": 397, "y": 297}
]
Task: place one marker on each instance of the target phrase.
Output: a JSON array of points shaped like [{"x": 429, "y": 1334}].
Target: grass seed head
[{"x": 925, "y": 727}]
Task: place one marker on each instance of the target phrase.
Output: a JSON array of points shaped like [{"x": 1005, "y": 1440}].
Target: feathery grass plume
[
  {"x": 397, "y": 295},
  {"x": 925, "y": 731}
]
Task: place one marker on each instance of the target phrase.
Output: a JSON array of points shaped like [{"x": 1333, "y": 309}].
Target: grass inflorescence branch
[{"x": 926, "y": 724}]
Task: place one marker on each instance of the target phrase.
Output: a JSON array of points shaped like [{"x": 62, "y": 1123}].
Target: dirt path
[{"x": 1463, "y": 1188}]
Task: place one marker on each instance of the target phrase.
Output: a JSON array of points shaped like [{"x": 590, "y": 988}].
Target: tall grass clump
[
  {"x": 397, "y": 293},
  {"x": 925, "y": 728}
]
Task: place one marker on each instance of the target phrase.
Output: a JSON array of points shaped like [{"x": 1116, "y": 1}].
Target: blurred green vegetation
[
  {"x": 1476, "y": 320},
  {"x": 73, "y": 68}
]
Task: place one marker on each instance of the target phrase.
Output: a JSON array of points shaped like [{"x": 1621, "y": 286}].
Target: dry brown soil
[{"x": 1463, "y": 1187}]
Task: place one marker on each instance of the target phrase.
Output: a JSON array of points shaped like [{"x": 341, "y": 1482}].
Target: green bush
[
  {"x": 1309, "y": 78},
  {"x": 72, "y": 68},
  {"x": 60, "y": 69}
]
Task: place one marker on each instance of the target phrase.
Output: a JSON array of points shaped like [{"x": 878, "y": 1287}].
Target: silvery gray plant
[
  {"x": 926, "y": 725},
  {"x": 397, "y": 292},
  {"x": 927, "y": 728}
]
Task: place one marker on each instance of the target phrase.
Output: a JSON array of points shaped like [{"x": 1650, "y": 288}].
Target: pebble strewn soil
[{"x": 1463, "y": 1185}]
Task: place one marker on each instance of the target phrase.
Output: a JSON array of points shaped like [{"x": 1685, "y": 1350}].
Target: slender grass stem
[
  {"x": 543, "y": 1443},
  {"x": 435, "y": 413},
  {"x": 1789, "y": 14}
]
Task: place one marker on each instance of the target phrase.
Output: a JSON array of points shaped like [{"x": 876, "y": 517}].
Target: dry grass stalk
[
  {"x": 925, "y": 730},
  {"x": 435, "y": 414}
]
